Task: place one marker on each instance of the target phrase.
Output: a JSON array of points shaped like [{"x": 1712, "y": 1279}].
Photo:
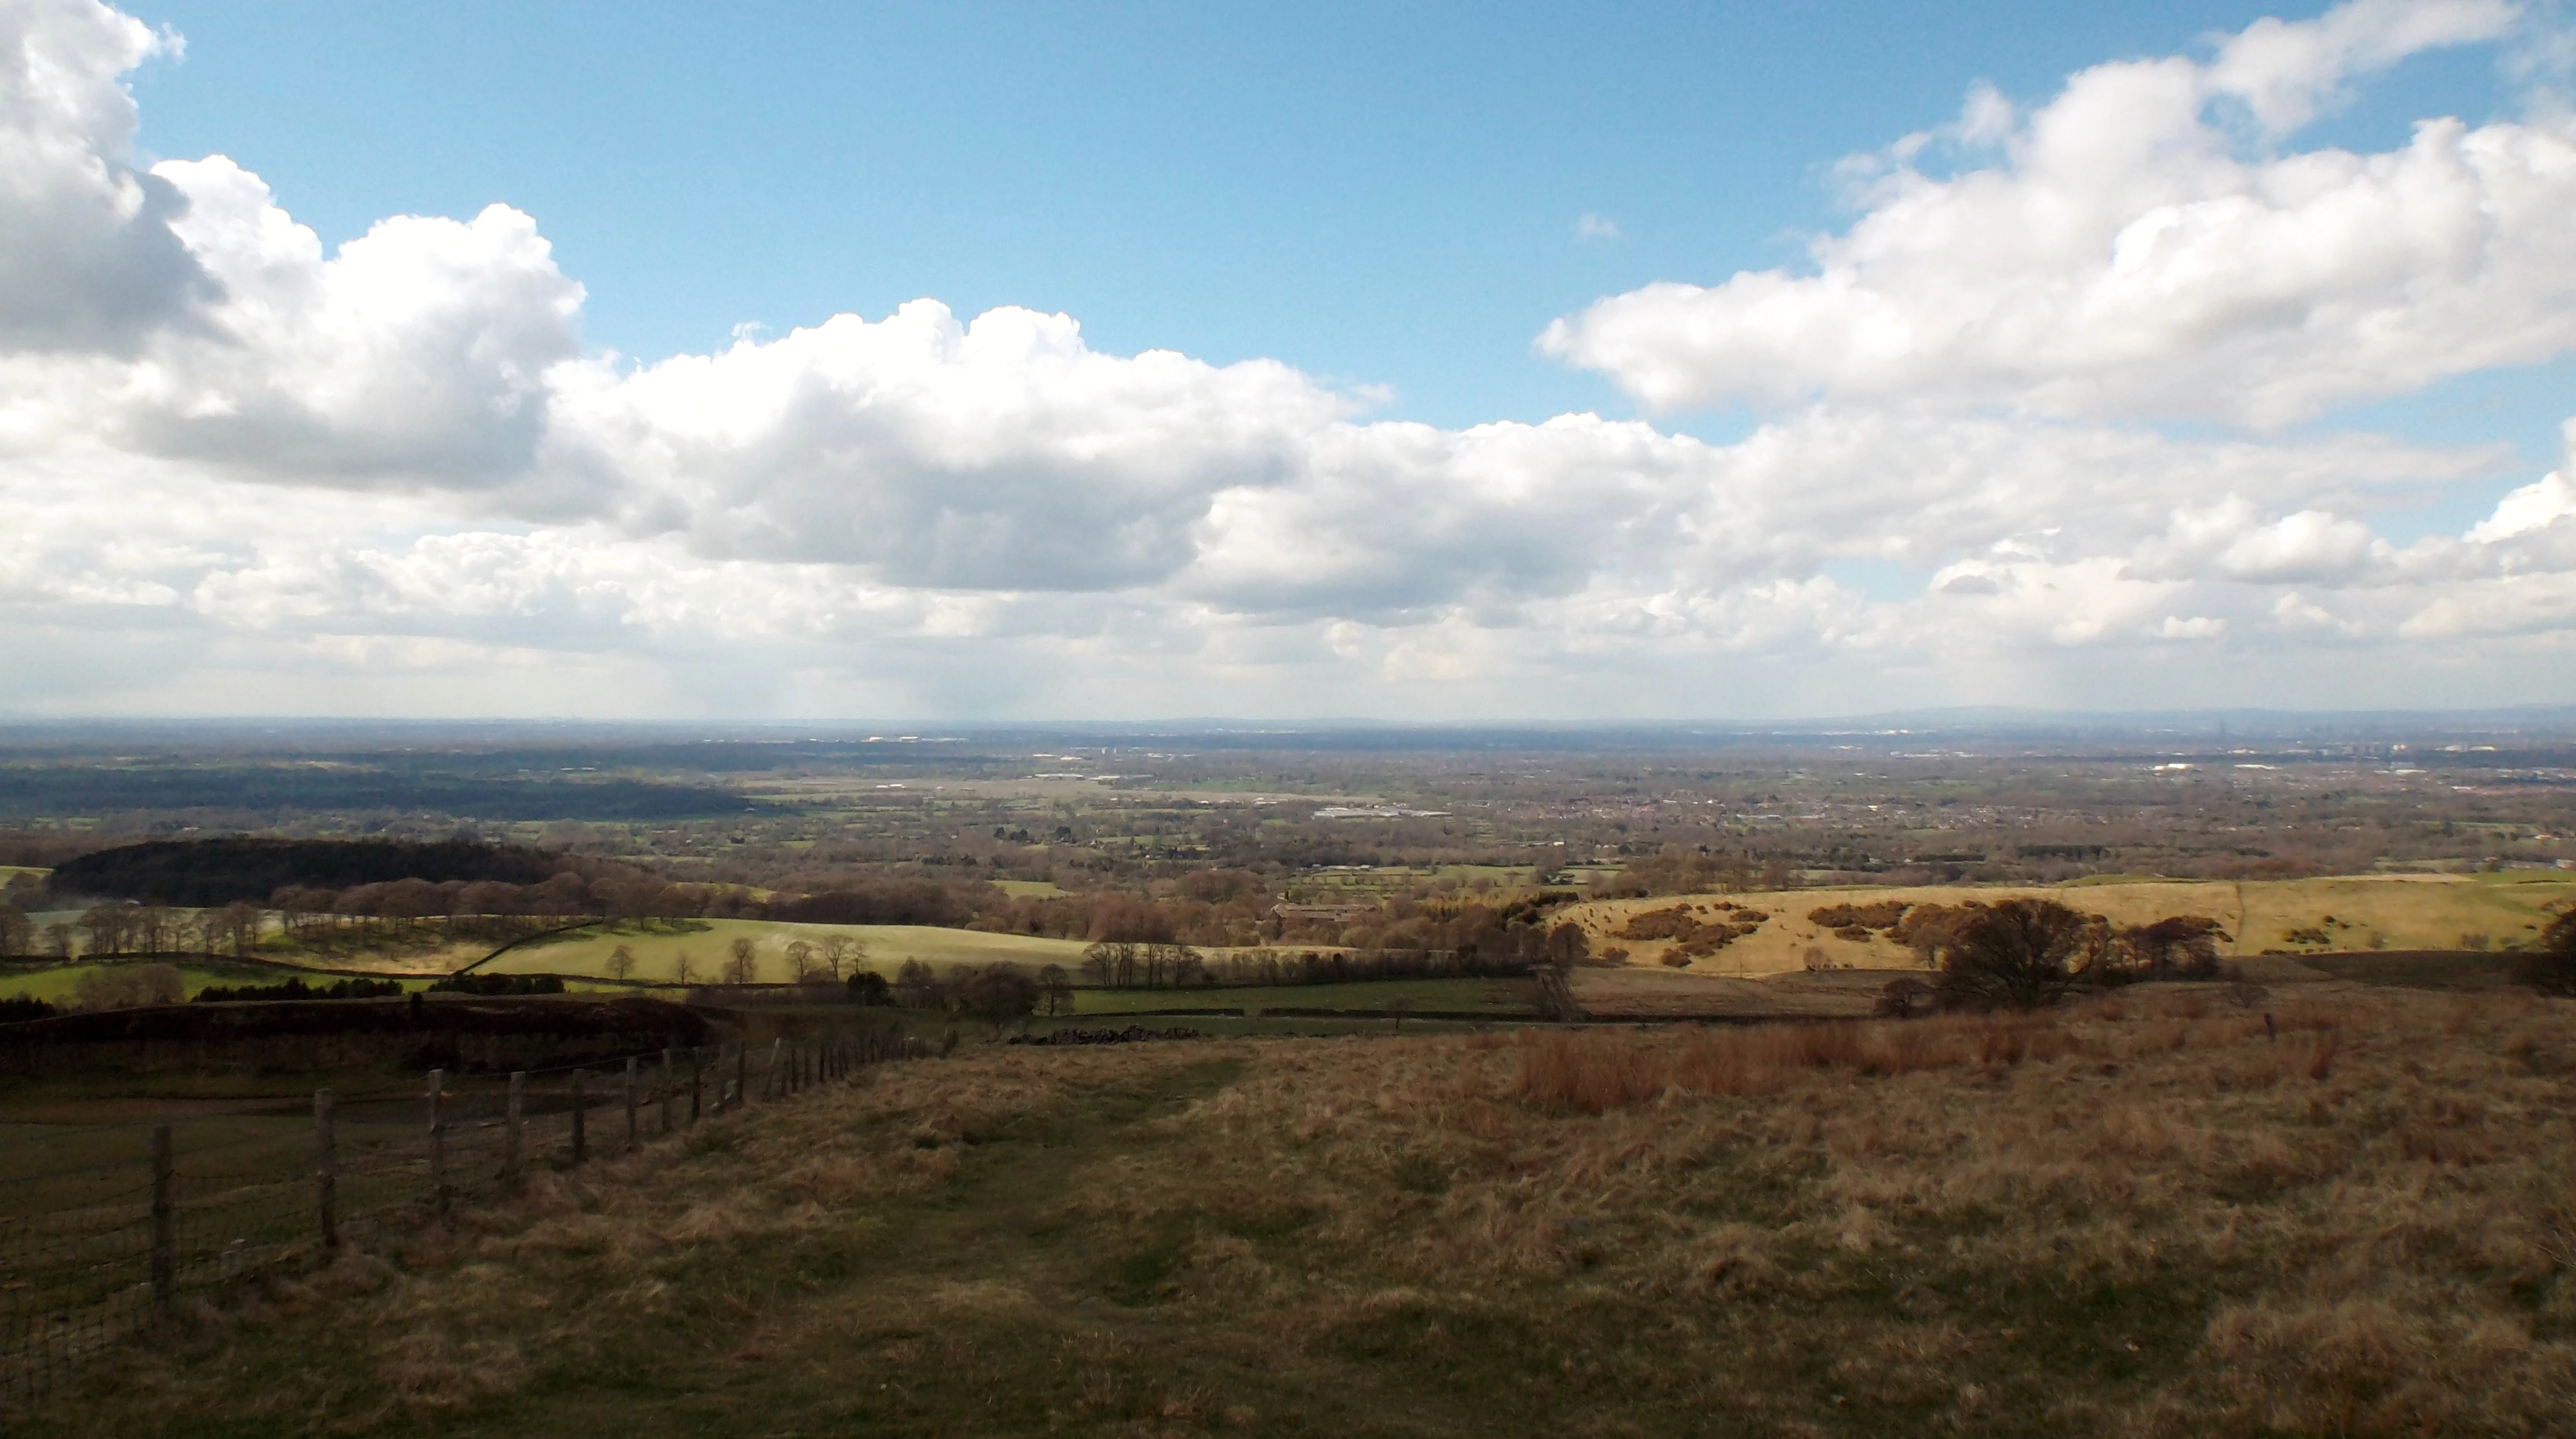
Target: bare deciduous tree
[
  {"x": 1055, "y": 990},
  {"x": 2021, "y": 954}
]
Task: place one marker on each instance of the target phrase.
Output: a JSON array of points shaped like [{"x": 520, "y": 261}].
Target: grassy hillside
[
  {"x": 2401, "y": 912},
  {"x": 2142, "y": 1216}
]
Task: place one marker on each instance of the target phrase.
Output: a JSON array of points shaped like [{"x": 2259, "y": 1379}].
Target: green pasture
[
  {"x": 1031, "y": 888},
  {"x": 57, "y": 982},
  {"x": 658, "y": 946}
]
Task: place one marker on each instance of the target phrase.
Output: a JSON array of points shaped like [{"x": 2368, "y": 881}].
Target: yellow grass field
[
  {"x": 657, "y": 951},
  {"x": 2357, "y": 912}
]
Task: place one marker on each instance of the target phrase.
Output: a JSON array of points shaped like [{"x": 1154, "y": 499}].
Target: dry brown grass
[
  {"x": 2146, "y": 1215},
  {"x": 1599, "y": 1070}
]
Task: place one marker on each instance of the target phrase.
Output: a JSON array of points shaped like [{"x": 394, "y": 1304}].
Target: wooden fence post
[
  {"x": 510, "y": 1160},
  {"x": 742, "y": 1074},
  {"x": 326, "y": 1171},
  {"x": 438, "y": 1143},
  {"x": 630, "y": 1101},
  {"x": 697, "y": 1073},
  {"x": 165, "y": 1223},
  {"x": 666, "y": 1089},
  {"x": 777, "y": 1076},
  {"x": 580, "y": 1116}
]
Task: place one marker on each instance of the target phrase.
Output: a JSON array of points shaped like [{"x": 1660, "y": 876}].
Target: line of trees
[{"x": 122, "y": 929}]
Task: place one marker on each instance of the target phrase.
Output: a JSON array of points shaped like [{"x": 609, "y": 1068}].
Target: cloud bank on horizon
[{"x": 2068, "y": 377}]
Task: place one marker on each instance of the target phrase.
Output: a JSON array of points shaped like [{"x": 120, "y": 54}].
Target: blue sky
[
  {"x": 1377, "y": 194},
  {"x": 1491, "y": 362}
]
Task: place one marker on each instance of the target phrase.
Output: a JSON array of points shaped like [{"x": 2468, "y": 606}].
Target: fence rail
[{"x": 95, "y": 1254}]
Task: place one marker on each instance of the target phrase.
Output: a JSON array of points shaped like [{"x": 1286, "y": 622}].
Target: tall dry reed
[{"x": 1593, "y": 1071}]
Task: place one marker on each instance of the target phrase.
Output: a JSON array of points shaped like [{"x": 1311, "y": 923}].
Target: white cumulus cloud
[{"x": 2116, "y": 252}]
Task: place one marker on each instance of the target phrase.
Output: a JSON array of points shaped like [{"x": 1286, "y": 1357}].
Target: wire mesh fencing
[{"x": 106, "y": 1230}]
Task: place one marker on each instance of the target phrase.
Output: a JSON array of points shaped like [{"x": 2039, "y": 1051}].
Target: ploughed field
[{"x": 2174, "y": 1210}]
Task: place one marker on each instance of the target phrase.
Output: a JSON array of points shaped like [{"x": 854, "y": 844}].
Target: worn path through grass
[{"x": 931, "y": 1264}]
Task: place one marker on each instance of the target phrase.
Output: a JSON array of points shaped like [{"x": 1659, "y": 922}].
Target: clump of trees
[
  {"x": 127, "y": 986},
  {"x": 19, "y": 1008},
  {"x": 996, "y": 993},
  {"x": 2027, "y": 953}
]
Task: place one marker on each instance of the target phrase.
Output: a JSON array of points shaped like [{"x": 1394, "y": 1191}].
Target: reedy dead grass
[
  {"x": 2375, "y": 1179},
  {"x": 2148, "y": 1215}
]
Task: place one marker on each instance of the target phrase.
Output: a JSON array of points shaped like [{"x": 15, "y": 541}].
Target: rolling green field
[{"x": 708, "y": 943}]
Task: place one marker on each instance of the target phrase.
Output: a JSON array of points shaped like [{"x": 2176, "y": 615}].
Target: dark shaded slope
[{"x": 219, "y": 871}]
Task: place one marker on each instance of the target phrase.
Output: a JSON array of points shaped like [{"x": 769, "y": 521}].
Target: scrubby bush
[
  {"x": 1904, "y": 998},
  {"x": 2551, "y": 968},
  {"x": 2184, "y": 946},
  {"x": 298, "y": 989},
  {"x": 1884, "y": 914}
]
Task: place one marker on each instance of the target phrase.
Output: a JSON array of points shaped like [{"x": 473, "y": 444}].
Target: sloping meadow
[{"x": 2166, "y": 1212}]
